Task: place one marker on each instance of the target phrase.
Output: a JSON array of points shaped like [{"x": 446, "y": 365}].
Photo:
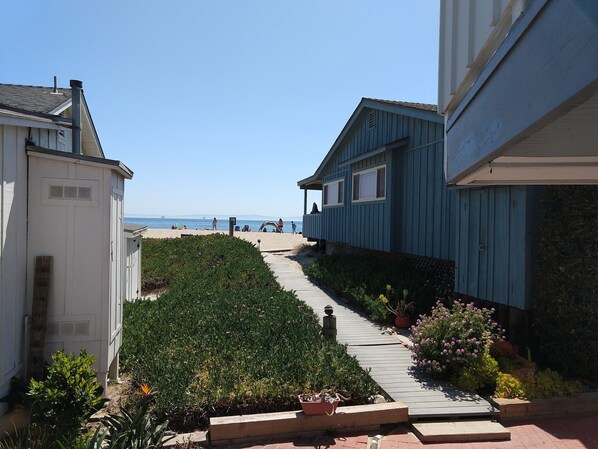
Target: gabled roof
[
  {"x": 406, "y": 104},
  {"x": 44, "y": 105},
  {"x": 421, "y": 111},
  {"x": 35, "y": 99}
]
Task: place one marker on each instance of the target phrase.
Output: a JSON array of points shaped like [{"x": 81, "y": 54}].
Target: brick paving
[{"x": 569, "y": 432}]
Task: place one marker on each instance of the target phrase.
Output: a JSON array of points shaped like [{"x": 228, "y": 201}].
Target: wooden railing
[{"x": 312, "y": 226}]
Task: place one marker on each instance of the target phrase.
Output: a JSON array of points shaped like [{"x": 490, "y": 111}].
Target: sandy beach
[{"x": 268, "y": 241}]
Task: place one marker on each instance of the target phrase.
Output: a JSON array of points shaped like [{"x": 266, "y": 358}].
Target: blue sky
[{"x": 220, "y": 107}]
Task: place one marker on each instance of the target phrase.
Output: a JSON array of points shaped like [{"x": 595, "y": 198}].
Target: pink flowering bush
[{"x": 452, "y": 339}]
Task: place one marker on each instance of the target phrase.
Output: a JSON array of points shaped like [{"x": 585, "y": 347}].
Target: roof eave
[
  {"x": 310, "y": 183},
  {"x": 115, "y": 165}
]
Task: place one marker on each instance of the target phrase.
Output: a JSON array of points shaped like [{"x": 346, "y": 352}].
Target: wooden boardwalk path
[{"x": 389, "y": 361}]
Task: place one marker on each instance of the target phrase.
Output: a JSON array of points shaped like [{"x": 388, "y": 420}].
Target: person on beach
[
  {"x": 294, "y": 226},
  {"x": 214, "y": 224},
  {"x": 314, "y": 209},
  {"x": 280, "y": 225}
]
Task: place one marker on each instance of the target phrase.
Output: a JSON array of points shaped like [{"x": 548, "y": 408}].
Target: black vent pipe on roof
[{"x": 76, "y": 89}]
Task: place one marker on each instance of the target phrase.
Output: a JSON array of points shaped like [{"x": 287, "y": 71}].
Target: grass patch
[{"x": 225, "y": 339}]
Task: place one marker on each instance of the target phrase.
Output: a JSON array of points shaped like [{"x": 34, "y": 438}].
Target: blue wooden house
[
  {"x": 384, "y": 189},
  {"x": 383, "y": 185}
]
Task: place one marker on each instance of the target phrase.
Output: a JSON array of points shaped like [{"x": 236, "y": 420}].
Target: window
[
  {"x": 370, "y": 184},
  {"x": 333, "y": 193}
]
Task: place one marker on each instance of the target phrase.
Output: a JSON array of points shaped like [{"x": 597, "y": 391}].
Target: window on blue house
[
  {"x": 333, "y": 193},
  {"x": 369, "y": 185}
]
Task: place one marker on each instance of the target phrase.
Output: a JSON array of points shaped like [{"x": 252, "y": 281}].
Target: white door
[{"x": 116, "y": 264}]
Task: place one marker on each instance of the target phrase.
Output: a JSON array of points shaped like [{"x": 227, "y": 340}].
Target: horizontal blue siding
[{"x": 492, "y": 257}]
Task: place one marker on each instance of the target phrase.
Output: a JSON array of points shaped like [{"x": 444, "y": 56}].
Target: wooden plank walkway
[{"x": 389, "y": 361}]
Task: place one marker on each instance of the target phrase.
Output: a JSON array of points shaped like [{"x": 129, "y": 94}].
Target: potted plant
[
  {"x": 324, "y": 402},
  {"x": 401, "y": 309}
]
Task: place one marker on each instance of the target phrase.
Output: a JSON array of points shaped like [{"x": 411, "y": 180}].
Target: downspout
[{"x": 76, "y": 89}]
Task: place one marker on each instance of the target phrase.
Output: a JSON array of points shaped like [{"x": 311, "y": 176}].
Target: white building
[
  {"x": 133, "y": 236},
  {"x": 62, "y": 198}
]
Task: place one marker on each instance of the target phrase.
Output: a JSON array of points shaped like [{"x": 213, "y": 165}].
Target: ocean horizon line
[
  {"x": 206, "y": 223},
  {"x": 218, "y": 216}
]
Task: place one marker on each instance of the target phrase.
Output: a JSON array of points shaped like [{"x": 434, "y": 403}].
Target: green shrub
[
  {"x": 565, "y": 303},
  {"x": 547, "y": 383},
  {"x": 369, "y": 303},
  {"x": 451, "y": 339},
  {"x": 225, "y": 339},
  {"x": 93, "y": 441},
  {"x": 522, "y": 380},
  {"x": 69, "y": 394},
  {"x": 361, "y": 279},
  {"x": 480, "y": 374}
]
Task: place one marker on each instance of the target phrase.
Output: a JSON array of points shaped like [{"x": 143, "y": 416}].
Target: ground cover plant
[
  {"x": 362, "y": 279},
  {"x": 224, "y": 338}
]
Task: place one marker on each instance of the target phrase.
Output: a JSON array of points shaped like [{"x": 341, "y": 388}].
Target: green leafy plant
[
  {"x": 93, "y": 441},
  {"x": 521, "y": 378},
  {"x": 32, "y": 437},
  {"x": 356, "y": 276},
  {"x": 508, "y": 386},
  {"x": 480, "y": 374},
  {"x": 547, "y": 383},
  {"x": 402, "y": 307},
  {"x": 68, "y": 395},
  {"x": 136, "y": 430},
  {"x": 450, "y": 339},
  {"x": 368, "y": 303}
]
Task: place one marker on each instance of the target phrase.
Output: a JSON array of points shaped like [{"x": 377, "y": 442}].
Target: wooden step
[
  {"x": 232, "y": 429},
  {"x": 460, "y": 431}
]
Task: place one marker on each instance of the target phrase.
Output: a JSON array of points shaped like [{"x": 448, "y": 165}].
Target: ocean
[{"x": 200, "y": 223}]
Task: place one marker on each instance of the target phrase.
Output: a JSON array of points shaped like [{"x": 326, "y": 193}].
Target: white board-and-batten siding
[
  {"x": 86, "y": 240},
  {"x": 13, "y": 215}
]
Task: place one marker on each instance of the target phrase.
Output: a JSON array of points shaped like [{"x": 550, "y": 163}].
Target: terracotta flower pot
[
  {"x": 319, "y": 407},
  {"x": 403, "y": 322}
]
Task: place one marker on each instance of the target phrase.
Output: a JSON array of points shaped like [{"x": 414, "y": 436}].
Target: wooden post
[
  {"x": 232, "y": 221},
  {"x": 41, "y": 290},
  {"x": 304, "y": 201}
]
